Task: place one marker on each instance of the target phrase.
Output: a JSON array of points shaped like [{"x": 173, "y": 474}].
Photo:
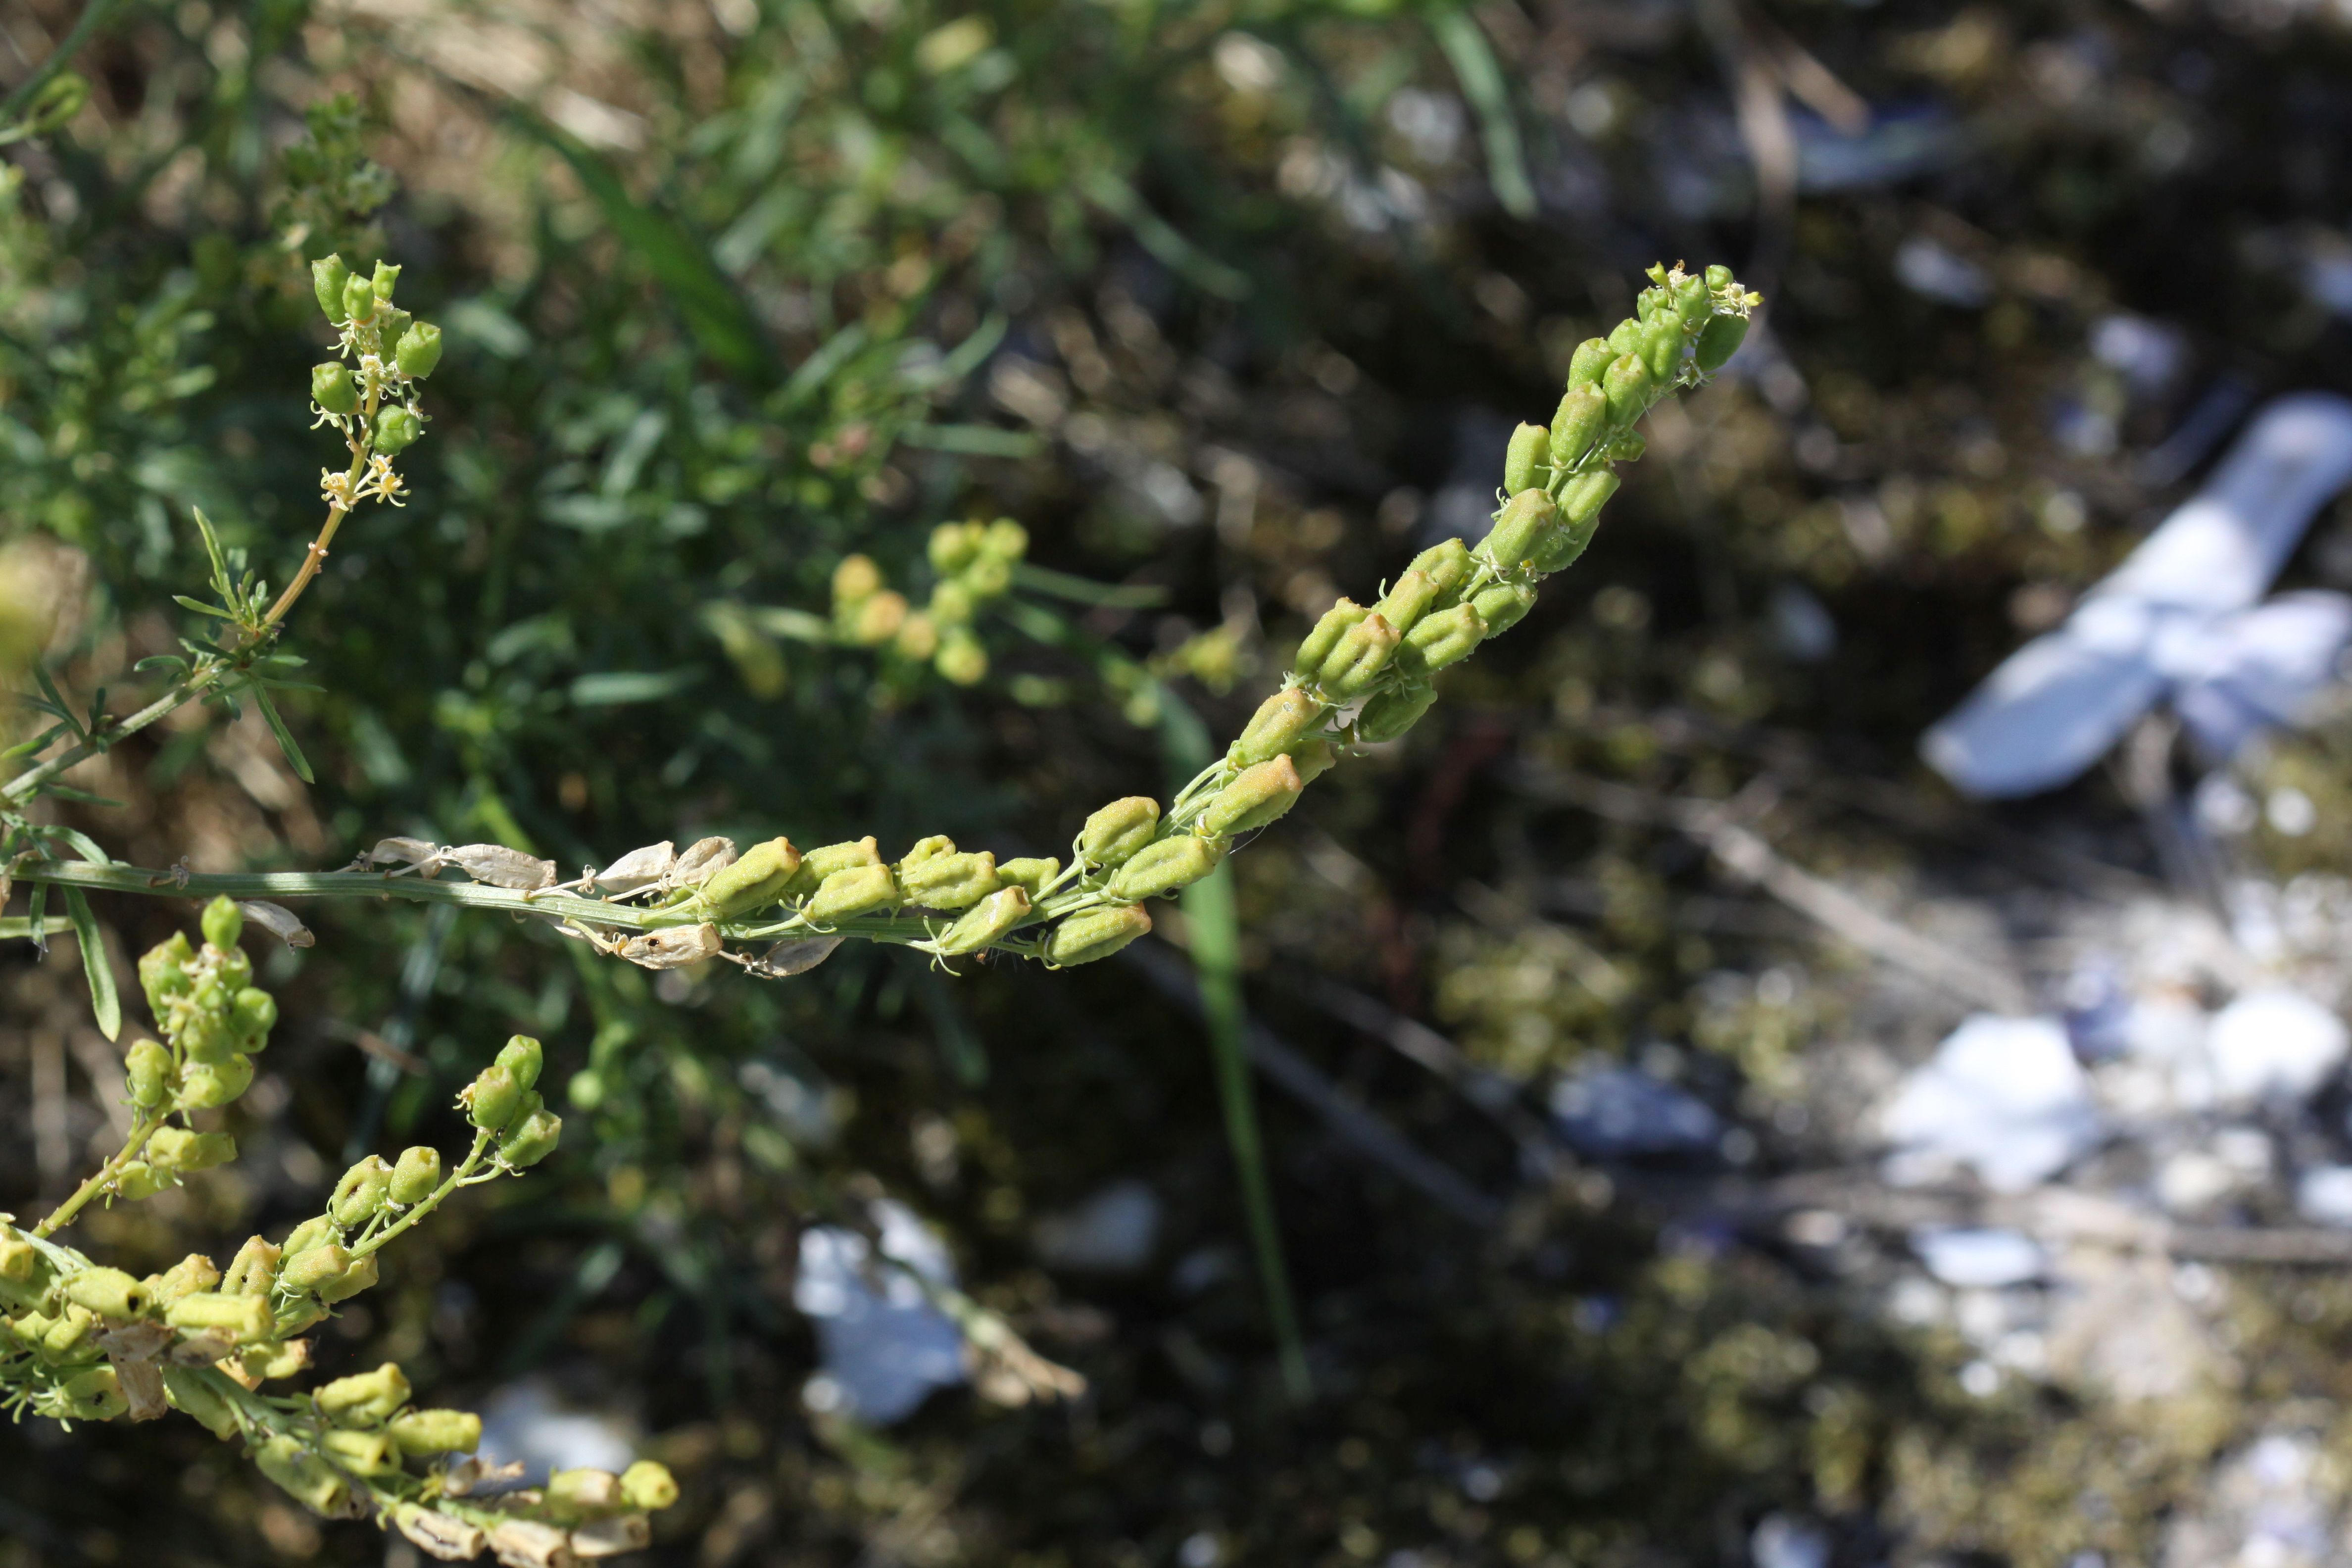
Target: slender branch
[
  {"x": 22, "y": 786},
  {"x": 93, "y": 15},
  {"x": 431, "y": 1201},
  {"x": 63, "y": 1214}
]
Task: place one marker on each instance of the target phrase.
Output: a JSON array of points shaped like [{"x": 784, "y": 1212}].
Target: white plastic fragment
[
  {"x": 2173, "y": 618},
  {"x": 2001, "y": 1096},
  {"x": 884, "y": 1347}
]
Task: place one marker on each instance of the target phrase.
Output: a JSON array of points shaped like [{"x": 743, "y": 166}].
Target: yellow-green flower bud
[
  {"x": 1589, "y": 362},
  {"x": 253, "y": 1270},
  {"x": 1582, "y": 414},
  {"x": 949, "y": 881},
  {"x": 818, "y": 864},
  {"x": 522, "y": 1057},
  {"x": 162, "y": 972},
  {"x": 954, "y": 546},
  {"x": 991, "y": 918},
  {"x": 845, "y": 894},
  {"x": 365, "y": 1398},
  {"x": 1503, "y": 605},
  {"x": 359, "y": 301},
  {"x": 1446, "y": 637},
  {"x": 988, "y": 576},
  {"x": 1627, "y": 387},
  {"x": 21, "y": 1263},
  {"x": 1448, "y": 566},
  {"x": 1118, "y": 830},
  {"x": 109, "y": 1292},
  {"x": 423, "y": 1432},
  {"x": 307, "y": 1478},
  {"x": 68, "y": 1336},
  {"x": 147, "y": 1074},
  {"x": 490, "y": 1100},
  {"x": 1318, "y": 643},
  {"x": 204, "y": 1085},
  {"x": 361, "y": 1276},
  {"x": 1277, "y": 725},
  {"x": 136, "y": 1180},
  {"x": 918, "y": 641},
  {"x": 1356, "y": 661},
  {"x": 1394, "y": 711},
  {"x": 193, "y": 1394},
  {"x": 327, "y": 278},
  {"x": 530, "y": 1140},
  {"x": 194, "y": 1273},
  {"x": 856, "y": 579},
  {"x": 253, "y": 1014},
  {"x": 1581, "y": 512},
  {"x": 1691, "y": 301},
  {"x": 1525, "y": 459},
  {"x": 648, "y": 1486},
  {"x": 1528, "y": 519},
  {"x": 1030, "y": 873},
  {"x": 952, "y": 603},
  {"x": 1255, "y": 798},
  {"x": 961, "y": 658},
  {"x": 177, "y": 1149},
  {"x": 206, "y": 1035},
  {"x": 1662, "y": 347},
  {"x": 223, "y": 922},
  {"x": 1718, "y": 278},
  {"x": 96, "y": 1394},
  {"x": 1095, "y": 933},
  {"x": 1410, "y": 599},
  {"x": 244, "y": 1319},
  {"x": 926, "y": 848},
  {"x": 1005, "y": 539},
  {"x": 314, "y": 1267},
  {"x": 416, "y": 1175},
  {"x": 396, "y": 430},
  {"x": 332, "y": 389},
  {"x": 360, "y": 1195},
  {"x": 1162, "y": 869},
  {"x": 386, "y": 275},
  {"x": 313, "y": 1232},
  {"x": 754, "y": 881},
  {"x": 1719, "y": 340},
  {"x": 361, "y": 1453},
  {"x": 419, "y": 351}
]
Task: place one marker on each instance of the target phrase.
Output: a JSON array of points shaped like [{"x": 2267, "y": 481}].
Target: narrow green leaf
[
  {"x": 36, "y": 917},
  {"x": 201, "y": 607},
  {"x": 38, "y": 742},
  {"x": 1474, "y": 63},
  {"x": 102, "y": 998},
  {"x": 1159, "y": 236},
  {"x": 1085, "y": 590},
  {"x": 161, "y": 662},
  {"x": 79, "y": 797},
  {"x": 81, "y": 844},
  {"x": 55, "y": 702},
  {"x": 221, "y": 582},
  {"x": 294, "y": 757}
]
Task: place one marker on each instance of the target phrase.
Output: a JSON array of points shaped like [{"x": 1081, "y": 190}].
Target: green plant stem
[
  {"x": 63, "y": 1214},
  {"x": 93, "y": 16},
  {"x": 461, "y": 1177},
  {"x": 22, "y": 786}
]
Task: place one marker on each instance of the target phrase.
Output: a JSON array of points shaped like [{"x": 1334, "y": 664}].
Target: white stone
[
  {"x": 2003, "y": 1095},
  {"x": 2273, "y": 1043}
]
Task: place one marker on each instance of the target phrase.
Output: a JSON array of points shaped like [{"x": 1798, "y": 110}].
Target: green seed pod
[
  {"x": 360, "y": 1196},
  {"x": 1394, "y": 711},
  {"x": 1095, "y": 933},
  {"x": 648, "y": 1486},
  {"x": 332, "y": 389},
  {"x": 1628, "y": 387},
  {"x": 952, "y": 604},
  {"x": 162, "y": 972},
  {"x": 109, "y": 1292},
  {"x": 1447, "y": 637},
  {"x": 316, "y": 1231},
  {"x": 307, "y": 1478},
  {"x": 918, "y": 641},
  {"x": 386, "y": 275},
  {"x": 281, "y": 1360},
  {"x": 1163, "y": 867},
  {"x": 96, "y": 1394},
  {"x": 989, "y": 576},
  {"x": 930, "y": 848},
  {"x": 419, "y": 351},
  {"x": 1336, "y": 623},
  {"x": 1579, "y": 506},
  {"x": 1006, "y": 540},
  {"x": 855, "y": 581},
  {"x": 313, "y": 1268},
  {"x": 954, "y": 546},
  {"x": 1648, "y": 302},
  {"x": 422, "y": 1434},
  {"x": 1693, "y": 305},
  {"x": 207, "y": 1035},
  {"x": 244, "y": 1319},
  {"x": 962, "y": 661},
  {"x": 137, "y": 1181},
  {"x": 30, "y": 1328},
  {"x": 1628, "y": 448},
  {"x": 361, "y": 1453},
  {"x": 253, "y": 1270},
  {"x": 194, "y": 1395},
  {"x": 147, "y": 1074},
  {"x": 328, "y": 277},
  {"x": 1626, "y": 338},
  {"x": 223, "y": 922},
  {"x": 950, "y": 882},
  {"x": 1528, "y": 519},
  {"x": 1503, "y": 605},
  {"x": 819, "y": 864},
  {"x": 253, "y": 1014},
  {"x": 21, "y": 1262},
  {"x": 861, "y": 890},
  {"x": 1524, "y": 460},
  {"x": 522, "y": 1057},
  {"x": 1582, "y": 414},
  {"x": 364, "y": 1399},
  {"x": 1312, "y": 759},
  {"x": 1662, "y": 347},
  {"x": 175, "y": 1148},
  {"x": 1589, "y": 362},
  {"x": 1718, "y": 278},
  {"x": 530, "y": 1140},
  {"x": 204, "y": 1085},
  {"x": 416, "y": 1174},
  {"x": 68, "y": 1339},
  {"x": 189, "y": 1276},
  {"x": 234, "y": 971},
  {"x": 1408, "y": 600},
  {"x": 754, "y": 881},
  {"x": 1357, "y": 661},
  {"x": 1719, "y": 340},
  {"x": 583, "y": 1494},
  {"x": 1118, "y": 830},
  {"x": 1448, "y": 566},
  {"x": 489, "y": 1101},
  {"x": 991, "y": 918},
  {"x": 359, "y": 301},
  {"x": 1030, "y": 873},
  {"x": 1277, "y": 725},
  {"x": 396, "y": 430},
  {"x": 361, "y": 1276},
  {"x": 1256, "y": 798}
]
